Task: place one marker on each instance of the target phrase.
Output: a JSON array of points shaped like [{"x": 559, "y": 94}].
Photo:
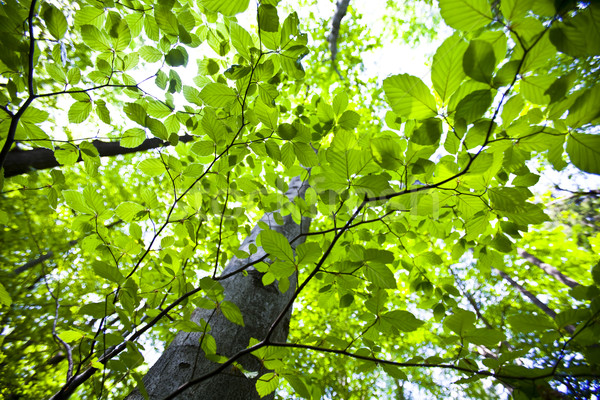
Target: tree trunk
[
  {"x": 260, "y": 305},
  {"x": 547, "y": 268},
  {"x": 20, "y": 162}
]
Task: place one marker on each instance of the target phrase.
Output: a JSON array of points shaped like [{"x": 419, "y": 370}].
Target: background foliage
[{"x": 415, "y": 280}]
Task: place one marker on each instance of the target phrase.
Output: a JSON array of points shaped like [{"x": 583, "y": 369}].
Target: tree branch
[
  {"x": 21, "y": 162},
  {"x": 547, "y": 268},
  {"x": 418, "y": 365},
  {"x": 541, "y": 305},
  {"x": 332, "y": 38}
]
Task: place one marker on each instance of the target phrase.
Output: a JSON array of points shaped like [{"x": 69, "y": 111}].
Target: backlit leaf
[
  {"x": 584, "y": 151},
  {"x": 466, "y": 15},
  {"x": 409, "y": 97}
]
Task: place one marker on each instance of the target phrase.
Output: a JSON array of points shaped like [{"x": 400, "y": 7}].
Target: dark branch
[
  {"x": 22, "y": 162},
  {"x": 332, "y": 38}
]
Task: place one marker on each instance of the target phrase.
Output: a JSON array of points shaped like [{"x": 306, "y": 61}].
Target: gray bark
[
  {"x": 332, "y": 38},
  {"x": 547, "y": 268},
  {"x": 184, "y": 360}
]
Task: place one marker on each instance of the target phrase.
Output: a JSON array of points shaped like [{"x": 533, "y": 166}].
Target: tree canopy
[{"x": 162, "y": 161}]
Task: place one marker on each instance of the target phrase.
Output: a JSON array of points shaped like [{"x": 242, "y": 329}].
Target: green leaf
[
  {"x": 585, "y": 108},
  {"x": 121, "y": 35},
  {"x": 474, "y": 105},
  {"x": 94, "y": 38},
  {"x": 203, "y": 148},
  {"x": 67, "y": 156},
  {"x": 241, "y": 40},
  {"x": 76, "y": 201},
  {"x": 94, "y": 199},
  {"x": 267, "y": 115},
  {"x": 192, "y": 95},
  {"x": 526, "y": 214},
  {"x": 533, "y": 88},
  {"x": 102, "y": 111},
  {"x": 107, "y": 271},
  {"x": 579, "y": 36},
  {"x": 71, "y": 335},
  {"x": 128, "y": 211},
  {"x": 136, "y": 113},
  {"x": 166, "y": 20},
  {"x": 511, "y": 109},
  {"x": 409, "y": 97},
  {"x": 479, "y": 61},
  {"x": 446, "y": 71},
  {"x": 34, "y": 115},
  {"x": 308, "y": 253},
  {"x": 276, "y": 245},
  {"x": 372, "y": 185},
  {"x": 152, "y": 167},
  {"x": 281, "y": 269},
  {"x": 387, "y": 152},
  {"x": 349, "y": 120},
  {"x": 268, "y": 20},
  {"x": 4, "y": 296},
  {"x": 286, "y": 131},
  {"x": 230, "y": 7},
  {"x": 428, "y": 133},
  {"x": 150, "y": 54},
  {"x": 526, "y": 323},
  {"x": 231, "y": 312},
  {"x": 157, "y": 128},
  {"x": 97, "y": 310},
  {"x": 584, "y": 151},
  {"x": 80, "y": 111},
  {"x": 208, "y": 344},
  {"x": 298, "y": 385},
  {"x": 402, "y": 320},
  {"x": 340, "y": 102},
  {"x": 466, "y": 15},
  {"x": 56, "y": 73},
  {"x": 513, "y": 10},
  {"x": 325, "y": 112},
  {"x": 596, "y": 274},
  {"x": 380, "y": 275},
  {"x": 88, "y": 15},
  {"x": 502, "y": 243},
  {"x": 460, "y": 322},
  {"x": 55, "y": 21},
  {"x": 484, "y": 337},
  {"x": 236, "y": 72},
  {"x": 177, "y": 57},
  {"x": 157, "y": 109},
  {"x": 267, "y": 384},
  {"x": 218, "y": 95},
  {"x": 507, "y": 198},
  {"x": 306, "y": 155}
]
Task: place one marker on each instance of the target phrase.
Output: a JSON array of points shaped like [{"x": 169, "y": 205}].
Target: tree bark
[
  {"x": 547, "y": 268},
  {"x": 260, "y": 305},
  {"x": 21, "y": 162},
  {"x": 341, "y": 8}
]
